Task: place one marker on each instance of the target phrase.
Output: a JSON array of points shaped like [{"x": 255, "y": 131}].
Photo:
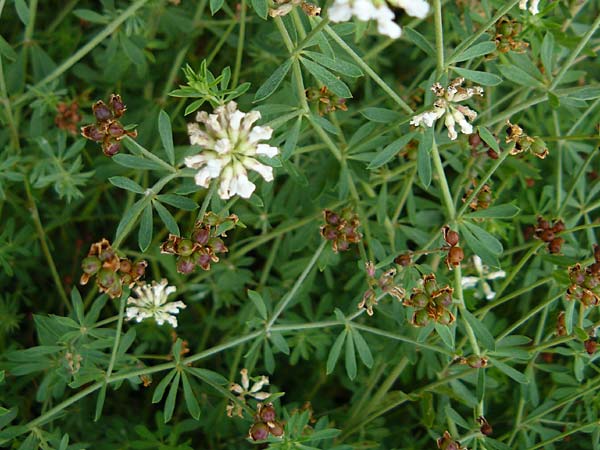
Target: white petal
[
  {"x": 259, "y": 133},
  {"x": 203, "y": 177},
  {"x": 267, "y": 150},
  {"x": 469, "y": 282},
  {"x": 523, "y": 4},
  {"x": 450, "y": 122},
  {"x": 340, "y": 11},
  {"x": 415, "y": 8},
  {"x": 242, "y": 186},
  {"x": 261, "y": 395},
  {"x": 223, "y": 146},
  {"x": 225, "y": 184},
  {"x": 235, "y": 119},
  {"x": 389, "y": 28},
  {"x": 245, "y": 380},
  {"x": 263, "y": 170},
  {"x": 250, "y": 118},
  {"x": 197, "y": 161}
]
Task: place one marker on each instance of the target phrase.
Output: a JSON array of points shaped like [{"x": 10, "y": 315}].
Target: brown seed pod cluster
[
  {"x": 108, "y": 130},
  {"x": 507, "y": 31},
  {"x": 524, "y": 143},
  {"x": 204, "y": 244},
  {"x": 384, "y": 284},
  {"x": 265, "y": 423},
  {"x": 431, "y": 302},
  {"x": 67, "y": 117},
  {"x": 547, "y": 232},
  {"x": 447, "y": 443},
  {"x": 455, "y": 253},
  {"x": 341, "y": 229},
  {"x": 111, "y": 271},
  {"x": 585, "y": 282},
  {"x": 482, "y": 200},
  {"x": 325, "y": 100}
]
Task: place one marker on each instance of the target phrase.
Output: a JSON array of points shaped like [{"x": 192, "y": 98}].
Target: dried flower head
[
  {"x": 151, "y": 301},
  {"x": 447, "y": 105},
  {"x": 341, "y": 229},
  {"x": 379, "y": 287},
  {"x": 230, "y": 146},
  {"x": 325, "y": 100},
  {"x": 67, "y": 117},
  {"x": 378, "y": 10},
  {"x": 525, "y": 143},
  {"x": 430, "y": 302}
]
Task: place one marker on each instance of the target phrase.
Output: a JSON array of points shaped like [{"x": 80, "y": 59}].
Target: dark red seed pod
[
  {"x": 185, "y": 265},
  {"x": 92, "y": 133},
  {"x": 276, "y": 429},
  {"x": 125, "y": 266},
  {"x": 259, "y": 431},
  {"x": 201, "y": 236},
  {"x": 555, "y": 245},
  {"x": 111, "y": 149},
  {"x": 331, "y": 217},
  {"x": 267, "y": 413},
  {"x": 451, "y": 237},
  {"x": 115, "y": 129},
  {"x": 403, "y": 260},
  {"x": 559, "y": 226},
  {"x": 590, "y": 346},
  {"x": 101, "y": 111},
  {"x": 117, "y": 105},
  {"x": 547, "y": 235},
  {"x": 455, "y": 256}
]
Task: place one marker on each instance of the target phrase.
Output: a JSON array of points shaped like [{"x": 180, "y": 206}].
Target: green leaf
[
  {"x": 159, "y": 392},
  {"x": 509, "y": 371},
  {"x": 519, "y": 76},
  {"x": 171, "y": 397},
  {"x": 334, "y": 353},
  {"x": 216, "y": 5},
  {"x": 127, "y": 184},
  {"x": 419, "y": 40},
  {"x": 258, "y": 303},
  {"x": 77, "y": 305},
  {"x": 505, "y": 211},
  {"x": 100, "y": 402},
  {"x": 90, "y": 16},
  {"x": 547, "y": 53},
  {"x": 481, "y": 49},
  {"x": 390, "y": 151},
  {"x": 130, "y": 215},
  {"x": 337, "y": 65},
  {"x": 483, "y": 78},
  {"x": 481, "y": 332},
  {"x": 136, "y": 162},
  {"x": 178, "y": 201},
  {"x": 268, "y": 357},
  {"x": 445, "y": 334},
  {"x": 273, "y": 82},
  {"x": 279, "y": 342},
  {"x": 488, "y": 138},
  {"x": 133, "y": 52},
  {"x": 424, "y": 157},
  {"x": 166, "y": 135},
  {"x": 363, "y": 348},
  {"x": 6, "y": 50},
  {"x": 381, "y": 115},
  {"x": 350, "y": 357},
  {"x": 22, "y": 11},
  {"x": 145, "y": 231},
  {"x": 167, "y": 218},
  {"x": 323, "y": 75},
  {"x": 190, "y": 399},
  {"x": 261, "y": 7},
  {"x": 483, "y": 244}
]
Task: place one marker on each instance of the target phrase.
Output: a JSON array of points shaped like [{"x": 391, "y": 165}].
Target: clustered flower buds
[
  {"x": 112, "y": 272},
  {"x": 455, "y": 253},
  {"x": 447, "y": 443},
  {"x": 482, "y": 200},
  {"x": 533, "y": 9},
  {"x": 547, "y": 233},
  {"x": 378, "y": 10},
  {"x": 285, "y": 6},
  {"x": 244, "y": 390},
  {"x": 585, "y": 282},
  {"x": 325, "y": 100},
  {"x": 431, "y": 303},
  {"x": 107, "y": 129},
  {"x": 385, "y": 284},
  {"x": 204, "y": 244},
  {"x": 230, "y": 147},
  {"x": 67, "y": 117},
  {"x": 265, "y": 423},
  {"x": 341, "y": 229},
  {"x": 447, "y": 104},
  {"x": 524, "y": 143},
  {"x": 506, "y": 32}
]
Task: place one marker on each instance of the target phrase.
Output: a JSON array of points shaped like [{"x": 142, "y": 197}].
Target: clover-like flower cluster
[
  {"x": 431, "y": 302},
  {"x": 585, "y": 282},
  {"x": 378, "y": 10},
  {"x": 383, "y": 285},
  {"x": 204, "y": 244},
  {"x": 107, "y": 129},
  {"x": 151, "y": 301},
  {"x": 112, "y": 272},
  {"x": 447, "y": 105},
  {"x": 230, "y": 146},
  {"x": 244, "y": 390},
  {"x": 341, "y": 229}
]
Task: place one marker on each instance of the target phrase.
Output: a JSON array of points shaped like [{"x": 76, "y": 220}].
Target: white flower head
[
  {"x": 533, "y": 9},
  {"x": 151, "y": 301},
  {"x": 483, "y": 276},
  {"x": 378, "y": 10},
  {"x": 447, "y": 105},
  {"x": 230, "y": 144},
  {"x": 244, "y": 390}
]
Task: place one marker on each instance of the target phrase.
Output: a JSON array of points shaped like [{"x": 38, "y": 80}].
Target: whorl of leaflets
[
  {"x": 533, "y": 9},
  {"x": 151, "y": 301},
  {"x": 378, "y": 10},
  {"x": 230, "y": 144},
  {"x": 447, "y": 106}
]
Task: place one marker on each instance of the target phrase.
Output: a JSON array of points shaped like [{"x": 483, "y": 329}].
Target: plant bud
[
  {"x": 559, "y": 226},
  {"x": 430, "y": 284},
  {"x": 455, "y": 256},
  {"x": 185, "y": 265},
  {"x": 420, "y": 318},
  {"x": 403, "y": 260},
  {"x": 259, "y": 431},
  {"x": 590, "y": 346},
  {"x": 101, "y": 111},
  {"x": 555, "y": 245},
  {"x": 185, "y": 247},
  {"x": 117, "y": 105},
  {"x": 451, "y": 236},
  {"x": 486, "y": 428},
  {"x": 328, "y": 232},
  {"x": 547, "y": 235},
  {"x": 115, "y": 129},
  {"x": 203, "y": 260},
  {"x": 139, "y": 269},
  {"x": 276, "y": 429},
  {"x": 201, "y": 236},
  {"x": 125, "y": 266},
  {"x": 267, "y": 413},
  {"x": 419, "y": 300},
  {"x": 111, "y": 149},
  {"x": 217, "y": 245},
  {"x": 91, "y": 265},
  {"x": 106, "y": 278},
  {"x": 92, "y": 132},
  {"x": 539, "y": 148},
  {"x": 331, "y": 218}
]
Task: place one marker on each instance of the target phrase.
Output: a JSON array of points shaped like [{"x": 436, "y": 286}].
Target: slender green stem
[
  {"x": 575, "y": 180},
  {"x": 290, "y": 296},
  {"x": 446, "y": 195},
  {"x": 240, "y": 44},
  {"x": 461, "y": 308},
  {"x": 514, "y": 294},
  {"x": 35, "y": 215},
  {"x": 312, "y": 33},
  {"x": 130, "y": 142},
  {"x": 364, "y": 66},
  {"x": 529, "y": 315},
  {"x": 115, "y": 349},
  {"x": 439, "y": 37},
  {"x": 207, "y": 199}
]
